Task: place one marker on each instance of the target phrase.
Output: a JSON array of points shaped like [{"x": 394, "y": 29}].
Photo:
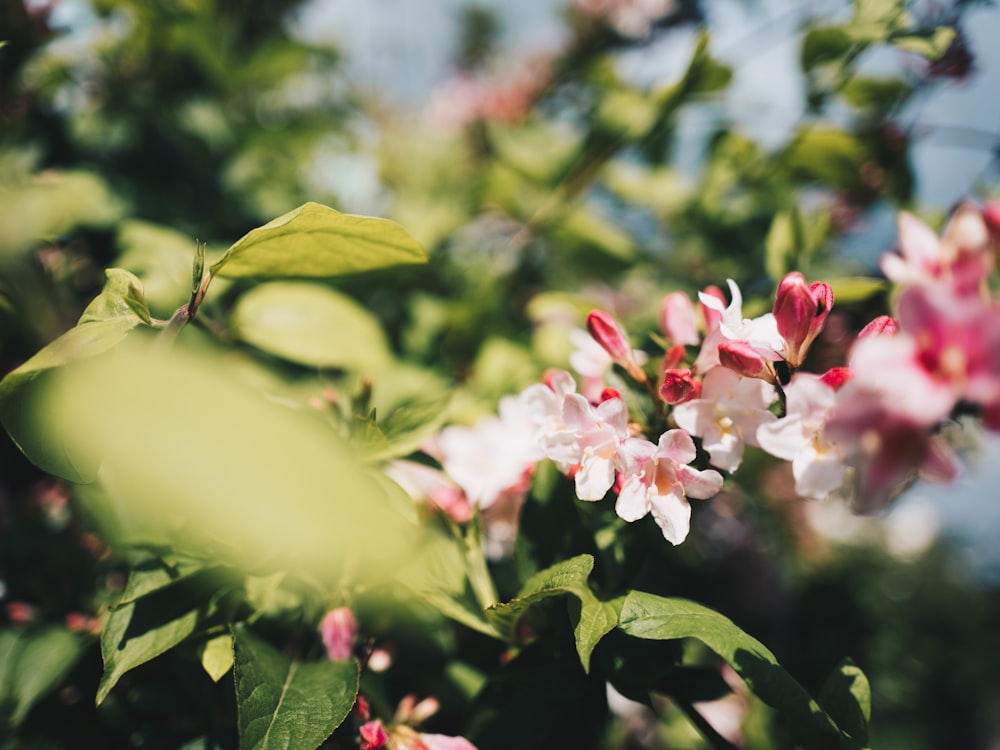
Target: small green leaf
[
  {"x": 658, "y": 618},
  {"x": 217, "y": 656},
  {"x": 310, "y": 324},
  {"x": 318, "y": 242},
  {"x": 288, "y": 704},
  {"x": 879, "y": 94},
  {"x": 32, "y": 662},
  {"x": 783, "y": 243},
  {"x": 846, "y": 696},
  {"x": 155, "y": 574},
  {"x": 594, "y": 618},
  {"x": 152, "y": 625},
  {"x": 409, "y": 426}
]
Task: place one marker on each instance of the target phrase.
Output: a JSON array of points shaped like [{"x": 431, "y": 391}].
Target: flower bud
[
  {"x": 613, "y": 339},
  {"x": 679, "y": 386},
  {"x": 677, "y": 319},
  {"x": 339, "y": 629},
  {"x": 373, "y": 735},
  {"x": 743, "y": 359},
  {"x": 800, "y": 310},
  {"x": 835, "y": 377}
]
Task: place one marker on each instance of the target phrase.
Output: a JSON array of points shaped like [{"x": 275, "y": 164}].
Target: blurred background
[{"x": 552, "y": 157}]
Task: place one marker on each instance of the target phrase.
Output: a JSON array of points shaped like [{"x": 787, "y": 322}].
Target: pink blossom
[
  {"x": 761, "y": 333},
  {"x": 339, "y": 629},
  {"x": 679, "y": 386},
  {"x": 373, "y": 735},
  {"x": 631, "y": 18},
  {"x": 886, "y": 448},
  {"x": 677, "y": 319},
  {"x": 590, "y": 437},
  {"x": 727, "y": 415},
  {"x": 658, "y": 480},
  {"x": 426, "y": 484},
  {"x": 818, "y": 465}
]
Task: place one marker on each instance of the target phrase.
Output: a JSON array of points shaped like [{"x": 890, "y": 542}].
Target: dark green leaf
[
  {"x": 149, "y": 626},
  {"x": 880, "y": 94},
  {"x": 32, "y": 662},
  {"x": 654, "y": 617},
  {"x": 288, "y": 704},
  {"x": 846, "y": 696},
  {"x": 316, "y": 241}
]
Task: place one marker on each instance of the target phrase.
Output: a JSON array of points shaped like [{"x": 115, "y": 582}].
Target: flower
[
  {"x": 657, "y": 480},
  {"x": 590, "y": 437},
  {"x": 339, "y": 629},
  {"x": 760, "y": 333},
  {"x": 818, "y": 465},
  {"x": 727, "y": 415},
  {"x": 800, "y": 311},
  {"x": 677, "y": 319},
  {"x": 613, "y": 339}
]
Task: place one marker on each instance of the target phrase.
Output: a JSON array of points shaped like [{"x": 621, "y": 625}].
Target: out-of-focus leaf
[
  {"x": 409, "y": 426},
  {"x": 217, "y": 656},
  {"x": 663, "y": 189},
  {"x": 931, "y": 45},
  {"x": 583, "y": 226},
  {"x": 825, "y": 45},
  {"x": 539, "y": 152},
  {"x": 626, "y": 113},
  {"x": 832, "y": 156},
  {"x": 654, "y": 617},
  {"x": 783, "y": 243},
  {"x": 161, "y": 258},
  {"x": 846, "y": 696},
  {"x": 874, "y": 93},
  {"x": 316, "y": 241},
  {"x": 310, "y": 324},
  {"x": 285, "y": 703},
  {"x": 32, "y": 662},
  {"x": 48, "y": 205},
  {"x": 190, "y": 453},
  {"x": 849, "y": 289},
  {"x": 107, "y": 320}
]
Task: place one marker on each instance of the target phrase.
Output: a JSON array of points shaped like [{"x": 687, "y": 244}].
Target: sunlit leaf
[
  {"x": 932, "y": 45},
  {"x": 846, "y": 696},
  {"x": 310, "y": 324},
  {"x": 285, "y": 703},
  {"x": 217, "y": 656},
  {"x": 316, "y": 241},
  {"x": 33, "y": 662}
]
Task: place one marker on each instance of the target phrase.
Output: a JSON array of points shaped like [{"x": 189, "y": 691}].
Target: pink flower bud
[
  {"x": 612, "y": 337},
  {"x": 339, "y": 629},
  {"x": 373, "y": 735},
  {"x": 743, "y": 359},
  {"x": 609, "y": 393},
  {"x": 800, "y": 310},
  {"x": 835, "y": 377},
  {"x": 673, "y": 357},
  {"x": 362, "y": 711},
  {"x": 677, "y": 319},
  {"x": 679, "y": 386},
  {"x": 883, "y": 325}
]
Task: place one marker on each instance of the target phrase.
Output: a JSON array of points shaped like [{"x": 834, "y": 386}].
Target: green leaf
[
  {"x": 931, "y": 45},
  {"x": 825, "y": 45},
  {"x": 310, "y": 324},
  {"x": 594, "y": 619},
  {"x": 827, "y": 154},
  {"x": 155, "y": 574},
  {"x": 654, "y": 617},
  {"x": 626, "y": 113},
  {"x": 288, "y": 704},
  {"x": 318, "y": 242},
  {"x": 409, "y": 426},
  {"x": 32, "y": 662},
  {"x": 850, "y": 289},
  {"x": 217, "y": 656},
  {"x": 105, "y": 323},
  {"x": 783, "y": 243},
  {"x": 150, "y": 626},
  {"x": 846, "y": 696},
  {"x": 879, "y": 94}
]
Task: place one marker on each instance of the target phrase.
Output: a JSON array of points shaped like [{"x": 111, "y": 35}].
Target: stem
[{"x": 716, "y": 740}]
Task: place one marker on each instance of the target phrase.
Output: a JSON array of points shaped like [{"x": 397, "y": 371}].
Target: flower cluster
[{"x": 867, "y": 427}]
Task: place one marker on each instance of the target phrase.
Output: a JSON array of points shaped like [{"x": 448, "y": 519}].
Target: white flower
[
  {"x": 817, "y": 463},
  {"x": 590, "y": 437},
  {"x": 727, "y": 415}
]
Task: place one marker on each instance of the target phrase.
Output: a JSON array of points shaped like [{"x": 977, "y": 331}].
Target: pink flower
[
  {"x": 373, "y": 735},
  {"x": 339, "y": 629},
  {"x": 727, "y": 415},
  {"x": 426, "y": 484},
  {"x": 760, "y": 334},
  {"x": 658, "y": 480},
  {"x": 590, "y": 437},
  {"x": 679, "y": 386},
  {"x": 677, "y": 319},
  {"x": 818, "y": 465}
]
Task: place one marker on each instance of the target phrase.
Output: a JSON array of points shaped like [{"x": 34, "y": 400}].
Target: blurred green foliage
[{"x": 144, "y": 127}]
